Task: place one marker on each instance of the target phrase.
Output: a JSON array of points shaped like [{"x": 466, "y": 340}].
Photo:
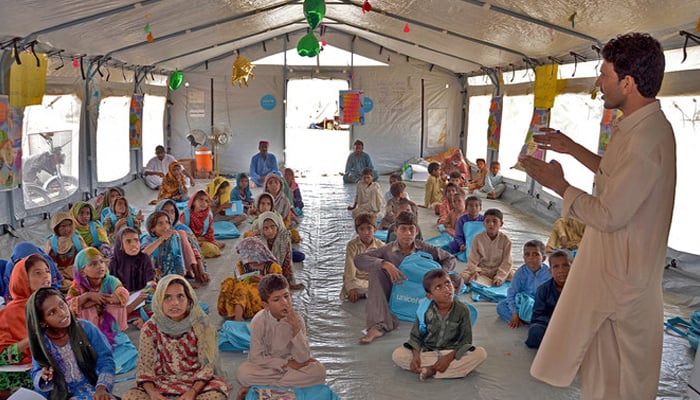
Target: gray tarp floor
[{"x": 333, "y": 326}]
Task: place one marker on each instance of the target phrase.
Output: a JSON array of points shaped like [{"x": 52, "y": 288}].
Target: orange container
[{"x": 203, "y": 159}]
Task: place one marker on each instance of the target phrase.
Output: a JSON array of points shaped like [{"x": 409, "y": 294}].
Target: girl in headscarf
[
  {"x": 174, "y": 186},
  {"x": 170, "y": 207},
  {"x": 178, "y": 350},
  {"x": 218, "y": 191},
  {"x": 63, "y": 245},
  {"x": 96, "y": 295},
  {"x": 199, "y": 218},
  {"x": 72, "y": 358},
  {"x": 263, "y": 203},
  {"x": 28, "y": 275},
  {"x": 105, "y": 202},
  {"x": 239, "y": 298},
  {"x": 278, "y": 240},
  {"x": 20, "y": 251},
  {"x": 90, "y": 229},
  {"x": 298, "y": 203},
  {"x": 242, "y": 191},
  {"x": 277, "y": 186},
  {"x": 119, "y": 216}
]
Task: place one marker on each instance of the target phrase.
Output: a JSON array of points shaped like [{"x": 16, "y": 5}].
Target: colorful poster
[
  {"x": 135, "y": 121},
  {"x": 351, "y": 103},
  {"x": 545, "y": 85},
  {"x": 10, "y": 144},
  {"x": 494, "y": 130},
  {"x": 610, "y": 116},
  {"x": 540, "y": 119},
  {"x": 27, "y": 80}
]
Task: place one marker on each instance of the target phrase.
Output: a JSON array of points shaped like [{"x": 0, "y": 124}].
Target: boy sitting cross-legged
[{"x": 442, "y": 347}]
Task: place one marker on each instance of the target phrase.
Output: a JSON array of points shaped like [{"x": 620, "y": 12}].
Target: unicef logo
[{"x": 268, "y": 102}]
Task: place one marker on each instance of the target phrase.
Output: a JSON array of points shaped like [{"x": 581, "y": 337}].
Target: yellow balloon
[{"x": 242, "y": 71}]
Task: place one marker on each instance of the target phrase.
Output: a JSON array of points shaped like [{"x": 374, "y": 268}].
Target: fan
[
  {"x": 218, "y": 138},
  {"x": 197, "y": 137}
]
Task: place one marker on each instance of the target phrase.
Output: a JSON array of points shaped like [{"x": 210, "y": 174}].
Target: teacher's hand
[
  {"x": 553, "y": 139},
  {"x": 548, "y": 174}
]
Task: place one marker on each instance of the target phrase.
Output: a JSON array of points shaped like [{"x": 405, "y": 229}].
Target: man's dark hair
[
  {"x": 271, "y": 283},
  {"x": 640, "y": 56},
  {"x": 160, "y": 149},
  {"x": 431, "y": 275}
]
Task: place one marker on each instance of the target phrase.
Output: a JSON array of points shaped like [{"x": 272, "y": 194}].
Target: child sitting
[
  {"x": 169, "y": 207},
  {"x": 490, "y": 254},
  {"x": 440, "y": 346},
  {"x": 382, "y": 267},
  {"x": 397, "y": 193},
  {"x": 446, "y": 206},
  {"x": 71, "y": 357},
  {"x": 526, "y": 280},
  {"x": 90, "y": 229},
  {"x": 480, "y": 179},
  {"x": 547, "y": 296},
  {"x": 174, "y": 185},
  {"x": 368, "y": 196},
  {"x": 279, "y": 241},
  {"x": 239, "y": 298},
  {"x": 355, "y": 282},
  {"x": 133, "y": 268},
  {"x": 277, "y": 187},
  {"x": 473, "y": 208},
  {"x": 493, "y": 184},
  {"x": 105, "y": 201},
  {"x": 407, "y": 206},
  {"x": 96, "y": 295},
  {"x": 263, "y": 203},
  {"x": 298, "y": 203},
  {"x": 279, "y": 351},
  {"x": 566, "y": 234},
  {"x": 457, "y": 210},
  {"x": 434, "y": 188},
  {"x": 178, "y": 352},
  {"x": 242, "y": 191},
  {"x": 393, "y": 178},
  {"x": 63, "y": 245},
  {"x": 218, "y": 191},
  {"x": 120, "y": 215},
  {"x": 199, "y": 218},
  {"x": 169, "y": 249}
]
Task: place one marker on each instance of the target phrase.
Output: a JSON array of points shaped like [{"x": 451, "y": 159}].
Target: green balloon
[
  {"x": 176, "y": 79},
  {"x": 308, "y": 46},
  {"x": 314, "y": 10}
]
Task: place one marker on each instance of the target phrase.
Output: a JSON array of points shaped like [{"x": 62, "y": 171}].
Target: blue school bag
[
  {"x": 125, "y": 353},
  {"x": 316, "y": 392},
  {"x": 440, "y": 241},
  {"x": 493, "y": 294},
  {"x": 235, "y": 336},
  {"x": 470, "y": 229},
  {"x": 524, "y": 303},
  {"x": 381, "y": 235},
  {"x": 225, "y": 230}
]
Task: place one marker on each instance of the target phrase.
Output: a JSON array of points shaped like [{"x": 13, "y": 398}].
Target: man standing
[
  {"x": 263, "y": 164},
  {"x": 157, "y": 167},
  {"x": 357, "y": 161},
  {"x": 609, "y": 319}
]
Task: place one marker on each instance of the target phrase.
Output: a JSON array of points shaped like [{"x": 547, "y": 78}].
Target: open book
[{"x": 484, "y": 281}]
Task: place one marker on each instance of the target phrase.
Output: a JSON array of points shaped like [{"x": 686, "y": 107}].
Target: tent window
[
  {"x": 113, "y": 158},
  {"x": 517, "y": 114},
  {"x": 477, "y": 126},
  {"x": 50, "y": 150},
  {"x": 153, "y": 110}
]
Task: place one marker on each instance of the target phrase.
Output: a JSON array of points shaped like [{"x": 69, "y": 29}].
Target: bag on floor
[
  {"x": 493, "y": 294},
  {"x": 405, "y": 297},
  {"x": 316, "y": 392},
  {"x": 470, "y": 229},
  {"x": 235, "y": 336},
  {"x": 524, "y": 303},
  {"x": 125, "y": 353},
  {"x": 440, "y": 241},
  {"x": 225, "y": 230}
]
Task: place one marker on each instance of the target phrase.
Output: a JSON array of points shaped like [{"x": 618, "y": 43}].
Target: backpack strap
[
  {"x": 207, "y": 221},
  {"x": 54, "y": 243},
  {"x": 186, "y": 213},
  {"x": 76, "y": 242},
  {"x": 423, "y": 306}
]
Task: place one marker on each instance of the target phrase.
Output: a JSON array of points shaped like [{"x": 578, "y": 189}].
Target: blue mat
[{"x": 318, "y": 392}]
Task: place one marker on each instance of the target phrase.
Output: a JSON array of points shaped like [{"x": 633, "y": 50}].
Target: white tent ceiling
[{"x": 458, "y": 35}]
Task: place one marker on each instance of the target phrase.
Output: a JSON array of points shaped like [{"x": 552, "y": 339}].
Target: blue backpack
[{"x": 471, "y": 229}]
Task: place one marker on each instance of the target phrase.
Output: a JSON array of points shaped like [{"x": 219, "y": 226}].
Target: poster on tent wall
[
  {"x": 351, "y": 104},
  {"x": 10, "y": 144},
  {"x": 437, "y": 127},
  {"x": 546, "y": 85},
  {"x": 494, "y": 129},
  {"x": 610, "y": 117},
  {"x": 540, "y": 119},
  {"x": 136, "y": 121},
  {"x": 27, "y": 80}
]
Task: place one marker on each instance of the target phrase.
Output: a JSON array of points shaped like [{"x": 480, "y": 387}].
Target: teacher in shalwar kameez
[{"x": 609, "y": 318}]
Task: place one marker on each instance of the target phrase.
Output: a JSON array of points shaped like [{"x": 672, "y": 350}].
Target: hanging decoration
[
  {"x": 76, "y": 63},
  {"x": 697, "y": 27},
  {"x": 147, "y": 29},
  {"x": 242, "y": 71},
  {"x": 10, "y": 144},
  {"x": 366, "y": 7},
  {"x": 610, "y": 116},
  {"x": 176, "y": 80},
  {"x": 314, "y": 11},
  {"x": 28, "y": 79},
  {"x": 572, "y": 19},
  {"x": 406, "y": 28},
  {"x": 135, "y": 121},
  {"x": 351, "y": 105}
]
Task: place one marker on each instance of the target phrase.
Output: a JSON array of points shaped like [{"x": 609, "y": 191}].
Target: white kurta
[
  {"x": 156, "y": 165},
  {"x": 609, "y": 318}
]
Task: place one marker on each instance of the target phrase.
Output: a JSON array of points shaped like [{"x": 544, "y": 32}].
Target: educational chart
[
  {"x": 351, "y": 104},
  {"x": 135, "y": 121},
  {"x": 606, "y": 128},
  {"x": 540, "y": 119},
  {"x": 494, "y": 129},
  {"x": 10, "y": 144}
]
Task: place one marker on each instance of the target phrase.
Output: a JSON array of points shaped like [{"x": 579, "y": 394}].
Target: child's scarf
[
  {"x": 242, "y": 194},
  {"x": 63, "y": 244},
  {"x": 133, "y": 271},
  {"x": 197, "y": 219},
  {"x": 93, "y": 233},
  {"x": 172, "y": 185},
  {"x": 213, "y": 188}
]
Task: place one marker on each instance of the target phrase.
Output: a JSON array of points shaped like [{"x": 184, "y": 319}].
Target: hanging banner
[
  {"x": 610, "y": 117},
  {"x": 27, "y": 80},
  {"x": 493, "y": 133},
  {"x": 135, "y": 121},
  {"x": 351, "y": 103},
  {"x": 545, "y": 85},
  {"x": 540, "y": 119},
  {"x": 10, "y": 144}
]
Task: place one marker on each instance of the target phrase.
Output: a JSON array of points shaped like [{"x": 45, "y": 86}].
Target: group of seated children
[{"x": 488, "y": 182}]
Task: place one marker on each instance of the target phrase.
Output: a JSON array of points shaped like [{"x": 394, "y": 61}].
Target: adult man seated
[
  {"x": 157, "y": 167},
  {"x": 357, "y": 161},
  {"x": 263, "y": 164}
]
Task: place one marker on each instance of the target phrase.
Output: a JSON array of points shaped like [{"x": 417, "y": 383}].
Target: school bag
[
  {"x": 235, "y": 336},
  {"x": 440, "y": 241},
  {"x": 225, "y": 230},
  {"x": 470, "y": 229},
  {"x": 524, "y": 303}
]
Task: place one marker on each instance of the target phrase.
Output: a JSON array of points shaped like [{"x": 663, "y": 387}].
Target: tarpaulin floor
[{"x": 366, "y": 371}]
